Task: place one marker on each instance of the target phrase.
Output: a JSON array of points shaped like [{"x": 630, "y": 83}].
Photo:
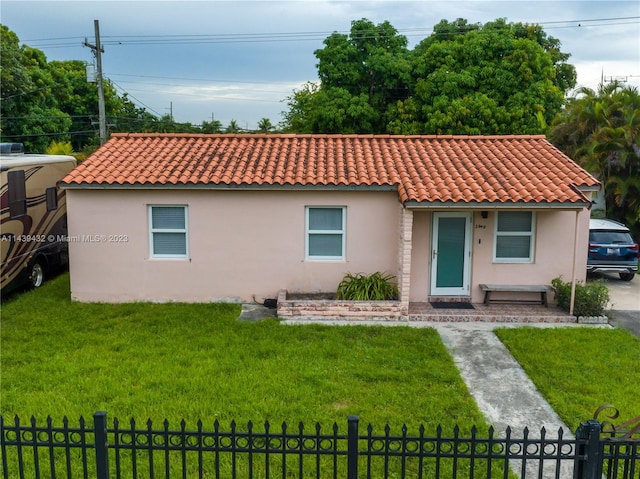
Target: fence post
[
  {"x": 100, "y": 440},
  {"x": 591, "y": 466},
  {"x": 352, "y": 447}
]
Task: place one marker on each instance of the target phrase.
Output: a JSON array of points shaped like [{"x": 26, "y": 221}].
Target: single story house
[{"x": 199, "y": 218}]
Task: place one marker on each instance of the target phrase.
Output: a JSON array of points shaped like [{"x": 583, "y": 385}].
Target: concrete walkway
[
  {"x": 503, "y": 392},
  {"x": 500, "y": 387}
]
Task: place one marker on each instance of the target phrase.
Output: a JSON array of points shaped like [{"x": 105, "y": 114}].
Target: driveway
[{"x": 625, "y": 301}]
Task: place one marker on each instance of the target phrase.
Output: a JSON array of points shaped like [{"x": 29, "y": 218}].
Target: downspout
[{"x": 573, "y": 270}]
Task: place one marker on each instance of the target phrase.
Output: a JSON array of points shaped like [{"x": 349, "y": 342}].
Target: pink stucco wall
[
  {"x": 553, "y": 254},
  {"x": 246, "y": 243},
  {"x": 241, "y": 243}
]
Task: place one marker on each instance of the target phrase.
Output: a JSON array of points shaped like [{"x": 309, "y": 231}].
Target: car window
[{"x": 610, "y": 237}]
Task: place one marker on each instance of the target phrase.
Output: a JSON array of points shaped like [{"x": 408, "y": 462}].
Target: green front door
[{"x": 450, "y": 254}]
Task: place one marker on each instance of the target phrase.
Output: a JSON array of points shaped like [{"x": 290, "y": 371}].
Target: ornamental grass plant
[{"x": 374, "y": 287}]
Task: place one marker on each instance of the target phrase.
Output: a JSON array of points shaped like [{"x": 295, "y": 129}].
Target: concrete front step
[{"x": 493, "y": 313}]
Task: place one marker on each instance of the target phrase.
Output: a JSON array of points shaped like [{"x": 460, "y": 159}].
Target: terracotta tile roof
[{"x": 459, "y": 169}]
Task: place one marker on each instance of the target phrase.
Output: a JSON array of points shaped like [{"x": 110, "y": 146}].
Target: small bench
[{"x": 515, "y": 288}]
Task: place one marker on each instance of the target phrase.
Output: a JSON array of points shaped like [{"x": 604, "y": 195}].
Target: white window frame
[
  {"x": 342, "y": 232},
  {"x": 531, "y": 234},
  {"x": 184, "y": 230}
]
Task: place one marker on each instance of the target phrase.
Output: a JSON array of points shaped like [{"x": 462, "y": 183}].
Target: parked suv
[{"x": 612, "y": 249}]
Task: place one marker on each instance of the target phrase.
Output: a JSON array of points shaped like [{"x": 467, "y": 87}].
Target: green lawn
[
  {"x": 579, "y": 369},
  {"x": 176, "y": 361},
  {"x": 196, "y": 361}
]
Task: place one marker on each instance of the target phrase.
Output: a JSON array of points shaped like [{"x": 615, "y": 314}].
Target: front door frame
[{"x": 464, "y": 289}]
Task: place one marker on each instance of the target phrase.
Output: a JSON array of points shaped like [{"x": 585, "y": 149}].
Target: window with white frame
[
  {"x": 168, "y": 231},
  {"x": 325, "y": 232},
  {"x": 514, "y": 237}
]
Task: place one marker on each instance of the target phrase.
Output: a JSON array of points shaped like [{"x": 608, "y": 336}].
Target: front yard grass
[
  {"x": 580, "y": 369},
  {"x": 196, "y": 361}
]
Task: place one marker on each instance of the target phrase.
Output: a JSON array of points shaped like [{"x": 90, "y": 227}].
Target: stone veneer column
[{"x": 404, "y": 255}]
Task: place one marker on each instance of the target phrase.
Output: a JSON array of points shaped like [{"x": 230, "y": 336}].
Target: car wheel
[
  {"x": 36, "y": 276},
  {"x": 627, "y": 276}
]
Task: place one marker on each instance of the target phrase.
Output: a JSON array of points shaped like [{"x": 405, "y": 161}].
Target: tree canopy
[
  {"x": 600, "y": 129},
  {"x": 28, "y": 95},
  {"x": 45, "y": 102},
  {"x": 495, "y": 78},
  {"x": 52, "y": 101}
]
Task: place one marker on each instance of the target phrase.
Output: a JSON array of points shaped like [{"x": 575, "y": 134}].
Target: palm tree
[
  {"x": 265, "y": 125},
  {"x": 601, "y": 131},
  {"x": 213, "y": 126},
  {"x": 233, "y": 127}
]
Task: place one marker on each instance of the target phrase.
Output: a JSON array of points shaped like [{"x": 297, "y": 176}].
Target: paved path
[{"x": 504, "y": 393}]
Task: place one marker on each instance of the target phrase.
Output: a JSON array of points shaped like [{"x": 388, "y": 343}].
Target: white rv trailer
[{"x": 33, "y": 221}]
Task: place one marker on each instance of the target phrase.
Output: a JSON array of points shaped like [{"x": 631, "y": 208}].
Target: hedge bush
[{"x": 591, "y": 299}]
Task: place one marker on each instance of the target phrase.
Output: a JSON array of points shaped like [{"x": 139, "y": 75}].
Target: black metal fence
[{"x": 128, "y": 450}]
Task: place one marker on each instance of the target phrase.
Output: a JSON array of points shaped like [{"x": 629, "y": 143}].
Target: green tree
[
  {"x": 130, "y": 118},
  {"x": 213, "y": 126},
  {"x": 29, "y": 111},
  {"x": 495, "y": 78},
  {"x": 465, "y": 78},
  {"x": 301, "y": 106},
  {"x": 233, "y": 127},
  {"x": 600, "y": 129},
  {"x": 361, "y": 75},
  {"x": 79, "y": 99},
  {"x": 166, "y": 124},
  {"x": 44, "y": 100},
  {"x": 265, "y": 125}
]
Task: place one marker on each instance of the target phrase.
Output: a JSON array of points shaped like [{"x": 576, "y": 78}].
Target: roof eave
[
  {"x": 207, "y": 186},
  {"x": 485, "y": 205}
]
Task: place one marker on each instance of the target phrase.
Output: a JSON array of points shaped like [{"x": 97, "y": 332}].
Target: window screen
[
  {"x": 325, "y": 232},
  {"x": 514, "y": 237},
  {"x": 168, "y": 231}
]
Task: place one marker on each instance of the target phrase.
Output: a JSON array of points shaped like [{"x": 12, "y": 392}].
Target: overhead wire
[
  {"x": 266, "y": 37},
  {"x": 134, "y": 98},
  {"x": 33, "y": 135}
]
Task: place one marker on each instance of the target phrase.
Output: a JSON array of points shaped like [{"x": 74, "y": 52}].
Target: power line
[
  {"x": 217, "y": 97},
  {"x": 134, "y": 98},
  {"x": 589, "y": 20},
  {"x": 253, "y": 90},
  {"x": 32, "y": 135},
  {"x": 191, "y": 79},
  {"x": 177, "y": 39},
  {"x": 27, "y": 92},
  {"x": 38, "y": 117}
]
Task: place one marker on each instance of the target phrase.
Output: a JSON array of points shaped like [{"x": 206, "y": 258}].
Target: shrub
[
  {"x": 590, "y": 299},
  {"x": 60, "y": 148},
  {"x": 360, "y": 287}
]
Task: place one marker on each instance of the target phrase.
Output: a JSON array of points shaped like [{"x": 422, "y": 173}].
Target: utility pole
[{"x": 98, "y": 51}]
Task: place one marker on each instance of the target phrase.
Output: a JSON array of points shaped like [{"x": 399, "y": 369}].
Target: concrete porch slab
[{"x": 505, "y": 313}]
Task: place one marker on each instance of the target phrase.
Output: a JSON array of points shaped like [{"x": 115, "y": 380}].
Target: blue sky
[{"x": 240, "y": 59}]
